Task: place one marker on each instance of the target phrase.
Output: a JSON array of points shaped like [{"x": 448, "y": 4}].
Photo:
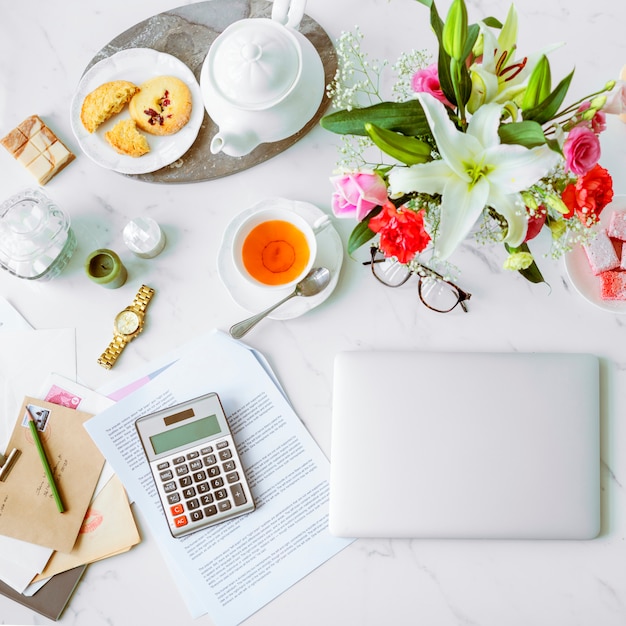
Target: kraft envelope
[
  {"x": 108, "y": 529},
  {"x": 27, "y": 507}
]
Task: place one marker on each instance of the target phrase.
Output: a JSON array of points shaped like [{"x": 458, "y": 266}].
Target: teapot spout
[{"x": 233, "y": 145}]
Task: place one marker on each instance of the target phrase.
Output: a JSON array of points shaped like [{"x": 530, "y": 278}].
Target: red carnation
[
  {"x": 402, "y": 232},
  {"x": 588, "y": 196}
]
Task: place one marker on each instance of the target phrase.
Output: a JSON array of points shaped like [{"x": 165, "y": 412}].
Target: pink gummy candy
[
  {"x": 613, "y": 285},
  {"x": 617, "y": 225},
  {"x": 601, "y": 253}
]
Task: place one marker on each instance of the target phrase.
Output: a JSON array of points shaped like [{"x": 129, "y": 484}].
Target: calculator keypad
[{"x": 202, "y": 487}]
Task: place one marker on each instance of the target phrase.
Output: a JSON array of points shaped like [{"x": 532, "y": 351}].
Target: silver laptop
[{"x": 465, "y": 445}]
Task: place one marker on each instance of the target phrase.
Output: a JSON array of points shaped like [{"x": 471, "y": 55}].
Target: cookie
[
  {"x": 105, "y": 101},
  {"x": 162, "y": 106},
  {"x": 126, "y": 139}
]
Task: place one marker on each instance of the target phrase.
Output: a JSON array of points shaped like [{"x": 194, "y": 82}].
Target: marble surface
[{"x": 44, "y": 49}]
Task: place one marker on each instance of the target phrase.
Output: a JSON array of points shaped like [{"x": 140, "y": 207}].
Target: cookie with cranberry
[{"x": 162, "y": 106}]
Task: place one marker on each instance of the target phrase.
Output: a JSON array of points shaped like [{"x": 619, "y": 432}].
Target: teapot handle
[{"x": 288, "y": 12}]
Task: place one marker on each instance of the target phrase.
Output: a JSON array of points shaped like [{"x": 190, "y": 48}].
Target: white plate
[
  {"x": 579, "y": 271},
  {"x": 255, "y": 299},
  {"x": 136, "y": 65}
]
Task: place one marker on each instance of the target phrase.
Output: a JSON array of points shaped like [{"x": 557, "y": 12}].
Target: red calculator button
[
  {"x": 181, "y": 521},
  {"x": 177, "y": 509}
]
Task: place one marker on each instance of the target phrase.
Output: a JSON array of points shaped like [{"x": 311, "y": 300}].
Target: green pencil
[{"x": 44, "y": 461}]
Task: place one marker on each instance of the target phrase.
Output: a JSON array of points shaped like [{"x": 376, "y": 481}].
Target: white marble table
[{"x": 44, "y": 48}]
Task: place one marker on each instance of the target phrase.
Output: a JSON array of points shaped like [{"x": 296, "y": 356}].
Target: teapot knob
[{"x": 251, "y": 52}]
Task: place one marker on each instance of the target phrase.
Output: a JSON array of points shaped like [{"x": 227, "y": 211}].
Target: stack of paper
[
  {"x": 32, "y": 570},
  {"x": 232, "y": 569}
]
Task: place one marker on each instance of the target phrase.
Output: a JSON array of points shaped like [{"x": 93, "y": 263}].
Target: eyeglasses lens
[
  {"x": 389, "y": 272},
  {"x": 438, "y": 294}
]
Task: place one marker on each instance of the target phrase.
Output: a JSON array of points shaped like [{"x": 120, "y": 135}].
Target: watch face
[{"x": 127, "y": 322}]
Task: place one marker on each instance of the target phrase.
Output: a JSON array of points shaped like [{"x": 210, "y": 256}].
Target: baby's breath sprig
[
  {"x": 405, "y": 67},
  {"x": 357, "y": 81}
]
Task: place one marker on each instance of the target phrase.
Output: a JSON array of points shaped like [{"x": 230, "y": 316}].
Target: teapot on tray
[{"x": 262, "y": 80}]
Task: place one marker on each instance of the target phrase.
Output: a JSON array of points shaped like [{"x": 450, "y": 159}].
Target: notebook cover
[{"x": 52, "y": 598}]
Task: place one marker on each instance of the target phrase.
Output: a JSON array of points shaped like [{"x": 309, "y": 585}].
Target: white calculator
[{"x": 195, "y": 464}]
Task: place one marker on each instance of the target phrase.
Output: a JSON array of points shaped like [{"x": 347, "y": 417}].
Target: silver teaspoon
[{"x": 313, "y": 283}]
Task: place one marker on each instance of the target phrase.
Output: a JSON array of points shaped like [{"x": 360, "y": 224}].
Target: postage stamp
[
  {"x": 62, "y": 397},
  {"x": 40, "y": 416}
]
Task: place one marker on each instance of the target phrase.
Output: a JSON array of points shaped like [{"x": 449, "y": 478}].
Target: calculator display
[
  {"x": 194, "y": 461},
  {"x": 186, "y": 434}
]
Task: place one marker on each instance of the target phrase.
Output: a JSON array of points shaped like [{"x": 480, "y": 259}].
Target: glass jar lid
[{"x": 33, "y": 232}]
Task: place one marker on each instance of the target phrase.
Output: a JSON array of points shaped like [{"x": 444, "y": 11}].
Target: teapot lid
[{"x": 254, "y": 63}]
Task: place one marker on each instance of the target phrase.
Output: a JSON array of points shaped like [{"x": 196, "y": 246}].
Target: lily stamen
[{"x": 511, "y": 71}]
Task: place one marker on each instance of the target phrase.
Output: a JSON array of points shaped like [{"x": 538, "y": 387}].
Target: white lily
[
  {"x": 475, "y": 171},
  {"x": 498, "y": 76}
]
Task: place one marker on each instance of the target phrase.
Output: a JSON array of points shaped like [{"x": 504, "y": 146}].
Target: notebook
[{"x": 465, "y": 445}]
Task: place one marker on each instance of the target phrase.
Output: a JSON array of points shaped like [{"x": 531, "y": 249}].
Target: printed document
[{"x": 236, "y": 567}]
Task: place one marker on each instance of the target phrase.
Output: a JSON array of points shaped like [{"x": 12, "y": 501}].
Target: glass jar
[{"x": 36, "y": 241}]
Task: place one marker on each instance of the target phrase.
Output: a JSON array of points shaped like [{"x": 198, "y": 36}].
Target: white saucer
[
  {"x": 579, "y": 271},
  {"x": 255, "y": 299},
  {"x": 136, "y": 65}
]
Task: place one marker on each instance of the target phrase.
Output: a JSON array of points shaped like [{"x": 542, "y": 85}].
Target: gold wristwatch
[{"x": 128, "y": 324}]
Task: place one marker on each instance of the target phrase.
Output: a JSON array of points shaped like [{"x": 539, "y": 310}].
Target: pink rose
[
  {"x": 427, "y": 81},
  {"x": 581, "y": 149},
  {"x": 357, "y": 194}
]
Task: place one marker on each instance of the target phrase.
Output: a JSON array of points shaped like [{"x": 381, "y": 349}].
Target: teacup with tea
[{"x": 276, "y": 247}]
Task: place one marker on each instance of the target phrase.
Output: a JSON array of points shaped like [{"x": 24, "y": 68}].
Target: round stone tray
[{"x": 187, "y": 33}]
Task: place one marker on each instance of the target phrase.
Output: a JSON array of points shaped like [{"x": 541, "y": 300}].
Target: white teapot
[{"x": 262, "y": 80}]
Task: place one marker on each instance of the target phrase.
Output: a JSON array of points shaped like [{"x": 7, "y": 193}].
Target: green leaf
[
  {"x": 445, "y": 79},
  {"x": 361, "y": 234},
  {"x": 407, "y": 150},
  {"x": 404, "y": 117},
  {"x": 426, "y": 3},
  {"x": 532, "y": 273},
  {"x": 464, "y": 83},
  {"x": 548, "y": 109},
  {"x": 472, "y": 36},
  {"x": 492, "y": 22},
  {"x": 527, "y": 133},
  {"x": 436, "y": 22},
  {"x": 539, "y": 84}
]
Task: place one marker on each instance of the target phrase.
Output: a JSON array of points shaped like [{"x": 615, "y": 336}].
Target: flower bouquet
[{"x": 479, "y": 143}]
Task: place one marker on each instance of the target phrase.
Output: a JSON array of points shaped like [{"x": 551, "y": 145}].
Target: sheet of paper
[
  {"x": 27, "y": 357},
  {"x": 27, "y": 508},
  {"x": 238, "y": 566},
  {"x": 108, "y": 529},
  {"x": 10, "y": 319},
  {"x": 21, "y": 561}
]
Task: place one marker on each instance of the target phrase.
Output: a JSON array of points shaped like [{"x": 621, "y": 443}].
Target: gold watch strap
[
  {"x": 143, "y": 297},
  {"x": 114, "y": 349}
]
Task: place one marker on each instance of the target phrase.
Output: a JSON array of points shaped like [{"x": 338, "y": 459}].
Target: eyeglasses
[{"x": 437, "y": 293}]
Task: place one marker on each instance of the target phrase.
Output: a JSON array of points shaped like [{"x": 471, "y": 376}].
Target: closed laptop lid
[{"x": 465, "y": 445}]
